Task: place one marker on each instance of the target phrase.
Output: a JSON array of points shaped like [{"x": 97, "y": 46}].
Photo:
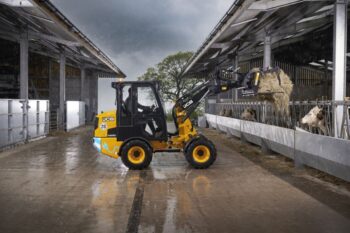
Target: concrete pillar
[
  {"x": 23, "y": 73},
  {"x": 339, "y": 61},
  {"x": 62, "y": 85},
  {"x": 82, "y": 83},
  {"x": 267, "y": 52}
]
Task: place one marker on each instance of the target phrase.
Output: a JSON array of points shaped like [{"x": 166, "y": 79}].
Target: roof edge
[
  {"x": 48, "y": 8},
  {"x": 209, "y": 39}
]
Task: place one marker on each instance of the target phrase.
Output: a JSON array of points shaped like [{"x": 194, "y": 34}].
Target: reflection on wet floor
[{"x": 63, "y": 185}]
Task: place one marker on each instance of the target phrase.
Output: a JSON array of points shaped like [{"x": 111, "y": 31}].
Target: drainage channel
[{"x": 135, "y": 213}]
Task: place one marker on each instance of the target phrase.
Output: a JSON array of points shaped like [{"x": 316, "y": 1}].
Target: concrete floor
[{"x": 61, "y": 184}]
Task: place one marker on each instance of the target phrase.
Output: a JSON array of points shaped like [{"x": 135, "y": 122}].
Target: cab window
[
  {"x": 145, "y": 98},
  {"x": 127, "y": 99}
]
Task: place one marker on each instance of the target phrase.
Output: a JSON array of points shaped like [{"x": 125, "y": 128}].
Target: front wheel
[
  {"x": 201, "y": 153},
  {"x": 136, "y": 154}
]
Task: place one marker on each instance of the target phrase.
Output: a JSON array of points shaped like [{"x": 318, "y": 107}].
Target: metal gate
[{"x": 18, "y": 125}]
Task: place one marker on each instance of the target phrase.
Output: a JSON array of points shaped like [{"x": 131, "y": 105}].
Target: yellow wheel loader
[{"x": 137, "y": 128}]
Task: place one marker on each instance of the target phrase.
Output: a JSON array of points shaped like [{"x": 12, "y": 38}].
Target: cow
[
  {"x": 222, "y": 112},
  {"x": 315, "y": 119},
  {"x": 228, "y": 113},
  {"x": 248, "y": 114}
]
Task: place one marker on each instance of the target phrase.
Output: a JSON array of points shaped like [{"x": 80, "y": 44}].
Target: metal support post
[
  {"x": 37, "y": 118},
  {"x": 267, "y": 53},
  {"x": 339, "y": 61},
  {"x": 325, "y": 86},
  {"x": 82, "y": 83},
  {"x": 9, "y": 123},
  {"x": 62, "y": 85},
  {"x": 23, "y": 74},
  {"x": 94, "y": 97},
  {"x": 235, "y": 91},
  {"x": 50, "y": 79}
]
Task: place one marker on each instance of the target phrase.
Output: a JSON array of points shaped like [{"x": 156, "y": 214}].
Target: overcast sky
[{"x": 137, "y": 34}]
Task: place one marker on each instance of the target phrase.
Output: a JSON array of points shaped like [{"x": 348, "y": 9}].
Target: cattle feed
[{"x": 276, "y": 87}]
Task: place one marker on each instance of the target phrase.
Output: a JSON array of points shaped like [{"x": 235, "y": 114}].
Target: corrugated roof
[
  {"x": 50, "y": 32},
  {"x": 243, "y": 28}
]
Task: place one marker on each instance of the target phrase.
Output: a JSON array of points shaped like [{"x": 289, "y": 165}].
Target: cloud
[
  {"x": 130, "y": 32},
  {"x": 137, "y": 34}
]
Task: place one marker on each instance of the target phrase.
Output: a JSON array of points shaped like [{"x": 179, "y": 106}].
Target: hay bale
[{"x": 276, "y": 87}]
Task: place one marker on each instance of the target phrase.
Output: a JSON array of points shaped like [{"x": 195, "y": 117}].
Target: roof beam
[
  {"x": 17, "y": 3},
  {"x": 42, "y": 36},
  {"x": 302, "y": 26},
  {"x": 223, "y": 45},
  {"x": 276, "y": 44},
  {"x": 95, "y": 67},
  {"x": 36, "y": 35},
  {"x": 276, "y": 4}
]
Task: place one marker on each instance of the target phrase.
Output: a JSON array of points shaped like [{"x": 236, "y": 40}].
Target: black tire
[
  {"x": 201, "y": 153},
  {"x": 136, "y": 154}
]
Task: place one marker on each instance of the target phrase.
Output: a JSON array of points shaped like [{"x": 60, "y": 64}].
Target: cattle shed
[
  {"x": 48, "y": 71},
  {"x": 66, "y": 166},
  {"x": 309, "y": 41}
]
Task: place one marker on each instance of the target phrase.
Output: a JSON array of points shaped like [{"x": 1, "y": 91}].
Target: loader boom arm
[{"x": 191, "y": 100}]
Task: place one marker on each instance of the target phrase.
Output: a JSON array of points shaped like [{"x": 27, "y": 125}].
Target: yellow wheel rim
[
  {"x": 136, "y": 154},
  {"x": 201, "y": 154}
]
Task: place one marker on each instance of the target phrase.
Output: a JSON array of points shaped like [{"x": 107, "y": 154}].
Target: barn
[{"x": 270, "y": 153}]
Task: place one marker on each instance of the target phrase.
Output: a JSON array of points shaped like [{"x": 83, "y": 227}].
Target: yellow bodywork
[
  {"x": 186, "y": 130},
  {"x": 106, "y": 120},
  {"x": 107, "y": 145},
  {"x": 110, "y": 145}
]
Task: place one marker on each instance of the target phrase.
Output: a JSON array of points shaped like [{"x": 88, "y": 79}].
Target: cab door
[
  {"x": 149, "y": 113},
  {"x": 140, "y": 113}
]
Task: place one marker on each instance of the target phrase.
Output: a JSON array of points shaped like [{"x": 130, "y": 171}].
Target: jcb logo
[{"x": 188, "y": 103}]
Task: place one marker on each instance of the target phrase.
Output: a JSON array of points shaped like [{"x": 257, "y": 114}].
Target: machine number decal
[{"x": 103, "y": 126}]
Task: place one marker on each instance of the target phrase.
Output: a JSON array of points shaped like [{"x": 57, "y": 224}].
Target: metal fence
[
  {"x": 22, "y": 120},
  {"x": 328, "y": 154},
  {"x": 54, "y": 117},
  {"x": 298, "y": 109}
]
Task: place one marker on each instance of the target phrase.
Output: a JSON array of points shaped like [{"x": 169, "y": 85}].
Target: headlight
[{"x": 97, "y": 144}]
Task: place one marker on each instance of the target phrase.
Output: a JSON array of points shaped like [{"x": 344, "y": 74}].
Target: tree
[{"x": 169, "y": 73}]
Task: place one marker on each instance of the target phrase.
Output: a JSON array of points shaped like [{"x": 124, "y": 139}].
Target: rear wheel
[
  {"x": 136, "y": 154},
  {"x": 201, "y": 153}
]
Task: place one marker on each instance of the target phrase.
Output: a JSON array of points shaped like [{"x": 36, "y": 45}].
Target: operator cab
[{"x": 139, "y": 111}]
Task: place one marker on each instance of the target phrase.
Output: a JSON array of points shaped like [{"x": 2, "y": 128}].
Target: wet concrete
[{"x": 61, "y": 184}]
